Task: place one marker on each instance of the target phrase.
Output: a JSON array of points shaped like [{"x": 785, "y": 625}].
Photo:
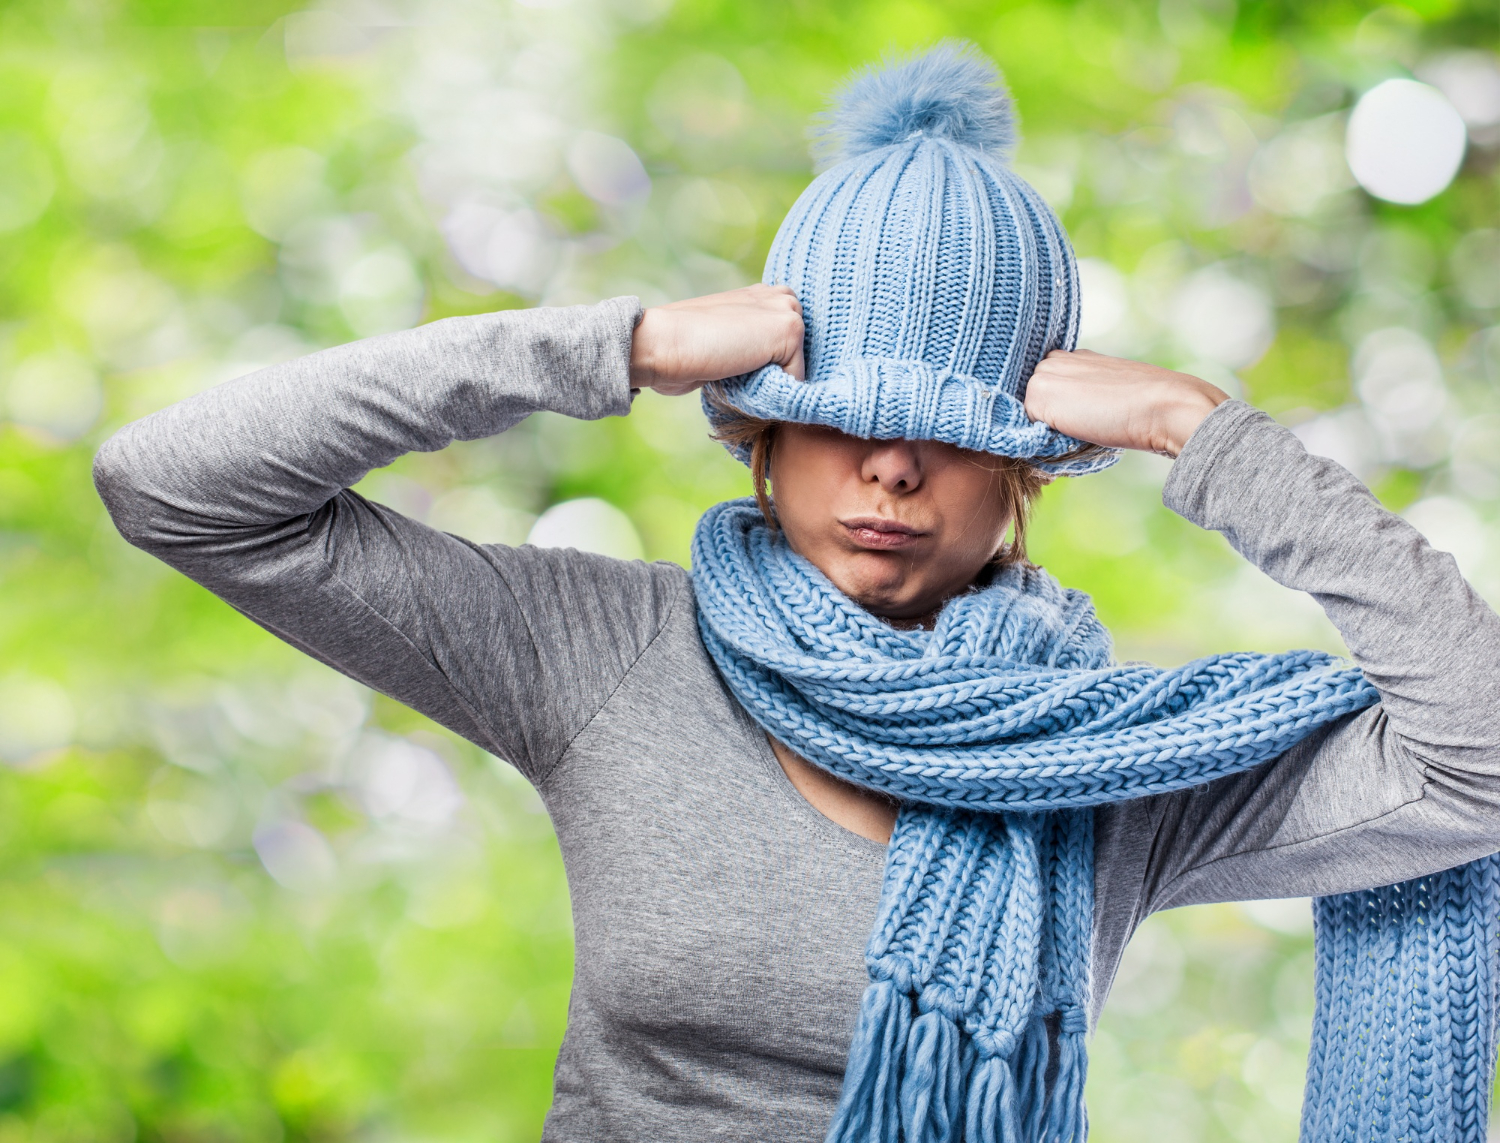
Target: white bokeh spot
[
  {"x": 1471, "y": 81},
  {"x": 607, "y": 170},
  {"x": 296, "y": 855},
  {"x": 514, "y": 249},
  {"x": 57, "y": 392},
  {"x": 1103, "y": 299},
  {"x": 1405, "y": 141},
  {"x": 1450, "y": 525},
  {"x": 407, "y": 786},
  {"x": 589, "y": 525},
  {"x": 1220, "y": 318}
]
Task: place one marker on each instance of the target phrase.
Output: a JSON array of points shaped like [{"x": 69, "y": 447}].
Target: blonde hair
[{"x": 1019, "y": 483}]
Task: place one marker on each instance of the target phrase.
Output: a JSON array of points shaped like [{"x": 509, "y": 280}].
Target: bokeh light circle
[{"x": 1405, "y": 141}]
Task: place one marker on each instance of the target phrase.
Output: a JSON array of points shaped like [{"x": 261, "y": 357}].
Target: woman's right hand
[{"x": 681, "y": 345}]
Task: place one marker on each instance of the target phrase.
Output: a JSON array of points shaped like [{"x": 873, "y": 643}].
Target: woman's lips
[{"x": 881, "y": 534}]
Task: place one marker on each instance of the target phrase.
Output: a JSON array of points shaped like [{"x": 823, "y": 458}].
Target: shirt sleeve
[
  {"x": 245, "y": 489},
  {"x": 1402, "y": 789}
]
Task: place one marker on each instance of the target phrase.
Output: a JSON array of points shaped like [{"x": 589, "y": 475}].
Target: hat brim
[{"x": 889, "y": 399}]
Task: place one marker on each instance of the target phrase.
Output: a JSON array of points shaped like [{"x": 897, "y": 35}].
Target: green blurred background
[{"x": 244, "y": 899}]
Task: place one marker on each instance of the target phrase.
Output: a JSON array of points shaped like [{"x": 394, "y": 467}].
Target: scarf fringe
[
  {"x": 992, "y": 1113},
  {"x": 920, "y": 1079},
  {"x": 933, "y": 1086},
  {"x": 1031, "y": 1078},
  {"x": 869, "y": 1108},
  {"x": 1067, "y": 1115}
]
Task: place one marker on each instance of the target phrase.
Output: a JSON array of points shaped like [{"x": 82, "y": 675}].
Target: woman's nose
[{"x": 894, "y": 465}]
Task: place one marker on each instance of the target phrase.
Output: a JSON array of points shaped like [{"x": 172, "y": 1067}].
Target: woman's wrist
[
  {"x": 1181, "y": 414},
  {"x": 645, "y": 349}
]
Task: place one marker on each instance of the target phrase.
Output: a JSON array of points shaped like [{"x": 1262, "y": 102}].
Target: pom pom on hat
[{"x": 951, "y": 91}]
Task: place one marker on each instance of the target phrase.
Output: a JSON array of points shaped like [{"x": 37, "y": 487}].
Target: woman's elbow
[{"x": 122, "y": 479}]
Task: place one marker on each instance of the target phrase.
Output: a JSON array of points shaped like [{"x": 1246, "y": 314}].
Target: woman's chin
[
  {"x": 891, "y": 585},
  {"x": 893, "y": 590},
  {"x": 890, "y": 597}
]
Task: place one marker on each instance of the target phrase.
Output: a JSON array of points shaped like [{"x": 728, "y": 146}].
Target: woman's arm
[
  {"x": 244, "y": 489},
  {"x": 1405, "y": 788}
]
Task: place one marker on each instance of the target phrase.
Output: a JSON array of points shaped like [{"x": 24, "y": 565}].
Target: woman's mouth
[{"x": 880, "y": 534}]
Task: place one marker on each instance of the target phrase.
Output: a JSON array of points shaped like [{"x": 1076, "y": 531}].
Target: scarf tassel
[
  {"x": 932, "y": 1088},
  {"x": 1031, "y": 1079},
  {"x": 991, "y": 1115},
  {"x": 1067, "y": 1116},
  {"x": 869, "y": 1109}
]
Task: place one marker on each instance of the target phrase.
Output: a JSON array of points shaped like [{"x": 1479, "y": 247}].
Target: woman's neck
[{"x": 857, "y": 809}]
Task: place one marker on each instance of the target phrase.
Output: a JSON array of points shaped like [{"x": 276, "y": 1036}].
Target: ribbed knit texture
[
  {"x": 932, "y": 277},
  {"x": 998, "y": 729},
  {"x": 1405, "y": 1026}
]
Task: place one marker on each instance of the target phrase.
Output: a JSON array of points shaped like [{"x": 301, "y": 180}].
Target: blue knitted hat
[{"x": 932, "y": 277}]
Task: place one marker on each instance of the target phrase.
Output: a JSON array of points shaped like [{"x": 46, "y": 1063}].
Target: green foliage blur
[{"x": 242, "y": 899}]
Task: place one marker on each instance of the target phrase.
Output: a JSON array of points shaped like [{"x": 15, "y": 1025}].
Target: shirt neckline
[{"x": 771, "y": 765}]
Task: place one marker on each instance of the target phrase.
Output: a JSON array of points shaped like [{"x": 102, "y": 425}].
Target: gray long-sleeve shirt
[{"x": 721, "y": 921}]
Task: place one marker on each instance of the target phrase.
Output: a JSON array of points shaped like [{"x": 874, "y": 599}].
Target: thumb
[{"x": 797, "y": 367}]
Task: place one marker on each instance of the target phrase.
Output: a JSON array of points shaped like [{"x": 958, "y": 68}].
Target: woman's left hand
[{"x": 1119, "y": 403}]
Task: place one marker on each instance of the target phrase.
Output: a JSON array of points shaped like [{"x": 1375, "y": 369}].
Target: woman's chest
[{"x": 712, "y": 905}]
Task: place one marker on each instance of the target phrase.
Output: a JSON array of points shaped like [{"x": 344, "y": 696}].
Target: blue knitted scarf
[{"x": 998, "y": 730}]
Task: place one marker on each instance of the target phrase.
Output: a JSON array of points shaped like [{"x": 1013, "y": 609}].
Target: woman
[{"x": 727, "y": 755}]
